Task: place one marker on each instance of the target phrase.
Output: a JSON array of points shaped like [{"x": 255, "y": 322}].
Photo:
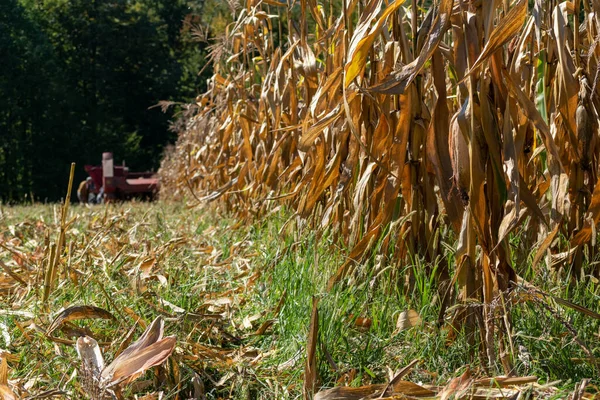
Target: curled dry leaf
[
  {"x": 400, "y": 80},
  {"x": 76, "y": 313},
  {"x": 508, "y": 27},
  {"x": 128, "y": 369},
  {"x": 150, "y": 350}
]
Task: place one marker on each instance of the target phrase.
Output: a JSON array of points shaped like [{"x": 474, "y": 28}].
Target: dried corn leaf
[
  {"x": 399, "y": 81},
  {"x": 76, "y": 313},
  {"x": 135, "y": 357},
  {"x": 593, "y": 217},
  {"x": 12, "y": 274},
  {"x": 541, "y": 251},
  {"x": 400, "y": 388},
  {"x": 129, "y": 368},
  {"x": 362, "y": 40},
  {"x": 6, "y": 393},
  {"x": 457, "y": 387},
  {"x": 3, "y": 371},
  {"x": 506, "y": 381},
  {"x": 508, "y": 27}
]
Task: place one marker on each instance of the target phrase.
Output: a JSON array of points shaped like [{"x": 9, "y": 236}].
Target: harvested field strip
[{"x": 238, "y": 299}]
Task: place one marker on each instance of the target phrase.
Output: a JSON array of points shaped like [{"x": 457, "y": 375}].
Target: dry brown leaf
[
  {"x": 505, "y": 381},
  {"x": 3, "y": 371},
  {"x": 508, "y": 27},
  {"x": 76, "y": 313},
  {"x": 457, "y": 387},
  {"x": 400, "y": 389},
  {"x": 593, "y": 217},
  {"x": 126, "y": 369},
  {"x": 398, "y": 82},
  {"x": 541, "y": 251},
  {"x": 152, "y": 396},
  {"x": 151, "y": 335},
  {"x": 150, "y": 350},
  {"x": 7, "y": 393},
  {"x": 12, "y": 274},
  {"x": 363, "y": 323}
]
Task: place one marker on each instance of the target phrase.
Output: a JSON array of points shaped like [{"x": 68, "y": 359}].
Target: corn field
[{"x": 395, "y": 126}]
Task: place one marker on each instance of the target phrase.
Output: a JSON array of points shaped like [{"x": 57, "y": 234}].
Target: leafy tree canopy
[{"x": 79, "y": 78}]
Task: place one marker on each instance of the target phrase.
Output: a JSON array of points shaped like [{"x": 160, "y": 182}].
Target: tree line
[{"x": 80, "y": 77}]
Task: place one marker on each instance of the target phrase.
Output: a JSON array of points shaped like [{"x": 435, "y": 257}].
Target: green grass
[{"x": 200, "y": 256}]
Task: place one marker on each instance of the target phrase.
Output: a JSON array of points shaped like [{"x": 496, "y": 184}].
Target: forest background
[{"x": 80, "y": 77}]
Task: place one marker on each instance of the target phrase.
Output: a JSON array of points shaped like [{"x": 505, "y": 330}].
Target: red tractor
[{"x": 115, "y": 182}]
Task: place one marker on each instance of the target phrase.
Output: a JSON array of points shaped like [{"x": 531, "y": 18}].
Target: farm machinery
[{"x": 110, "y": 182}]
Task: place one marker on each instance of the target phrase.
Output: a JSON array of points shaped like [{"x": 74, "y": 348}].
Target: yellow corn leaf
[{"x": 363, "y": 39}]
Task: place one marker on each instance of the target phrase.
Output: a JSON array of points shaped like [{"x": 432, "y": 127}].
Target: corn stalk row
[{"x": 392, "y": 123}]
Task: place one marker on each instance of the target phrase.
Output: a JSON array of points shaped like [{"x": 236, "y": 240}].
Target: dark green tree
[{"x": 79, "y": 78}]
